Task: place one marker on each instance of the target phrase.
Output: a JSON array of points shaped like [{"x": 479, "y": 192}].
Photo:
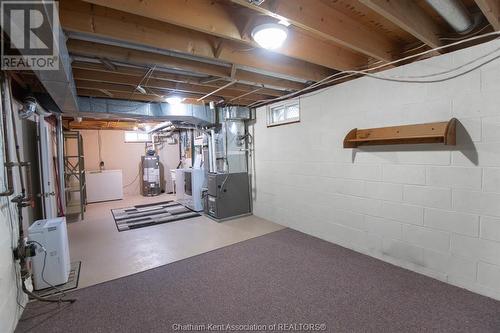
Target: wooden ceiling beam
[
  {"x": 256, "y": 78},
  {"x": 136, "y": 71},
  {"x": 133, "y": 81},
  {"x": 328, "y": 23},
  {"x": 113, "y": 88},
  {"x": 409, "y": 17},
  {"x": 491, "y": 9},
  {"x": 118, "y": 95},
  {"x": 102, "y": 124},
  {"x": 213, "y": 18},
  {"x": 121, "y": 54},
  {"x": 104, "y": 22},
  {"x": 149, "y": 59}
]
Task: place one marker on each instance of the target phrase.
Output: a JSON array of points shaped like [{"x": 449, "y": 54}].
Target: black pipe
[
  {"x": 16, "y": 143},
  {"x": 8, "y": 163}
]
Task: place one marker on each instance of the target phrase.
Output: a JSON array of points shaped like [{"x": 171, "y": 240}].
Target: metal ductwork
[
  {"x": 59, "y": 83},
  {"x": 454, "y": 13},
  {"x": 189, "y": 113}
]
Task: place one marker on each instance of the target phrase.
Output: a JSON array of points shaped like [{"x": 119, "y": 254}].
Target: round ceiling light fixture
[
  {"x": 174, "y": 100},
  {"x": 270, "y": 35}
]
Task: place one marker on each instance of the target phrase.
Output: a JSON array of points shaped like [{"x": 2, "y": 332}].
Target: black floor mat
[
  {"x": 150, "y": 214},
  {"x": 74, "y": 278}
]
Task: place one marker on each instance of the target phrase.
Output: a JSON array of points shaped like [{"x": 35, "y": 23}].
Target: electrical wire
[
  {"x": 449, "y": 38},
  {"x": 59, "y": 291},
  {"x": 149, "y": 76},
  {"x": 400, "y": 79},
  {"x": 464, "y": 37},
  {"x": 133, "y": 180},
  {"x": 415, "y": 55},
  {"x": 342, "y": 75},
  {"x": 99, "y": 145},
  {"x": 415, "y": 48},
  {"x": 148, "y": 73},
  {"x": 13, "y": 237},
  {"x": 449, "y": 70},
  {"x": 19, "y": 215},
  {"x": 12, "y": 223}
]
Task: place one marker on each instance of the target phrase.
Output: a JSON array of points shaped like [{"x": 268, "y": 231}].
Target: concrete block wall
[
  {"x": 430, "y": 208},
  {"x": 11, "y": 295}
]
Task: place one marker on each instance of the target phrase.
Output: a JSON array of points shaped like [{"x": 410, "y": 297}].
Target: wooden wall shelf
[{"x": 440, "y": 132}]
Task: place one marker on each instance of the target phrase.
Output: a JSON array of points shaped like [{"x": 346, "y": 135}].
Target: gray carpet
[{"x": 283, "y": 277}]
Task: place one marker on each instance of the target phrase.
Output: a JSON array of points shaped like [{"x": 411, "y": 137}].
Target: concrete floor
[{"x": 107, "y": 254}]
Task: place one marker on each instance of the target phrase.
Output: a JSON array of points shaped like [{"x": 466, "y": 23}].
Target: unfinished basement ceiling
[{"x": 193, "y": 47}]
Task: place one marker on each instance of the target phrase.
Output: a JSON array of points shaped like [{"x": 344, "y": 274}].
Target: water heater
[{"x": 150, "y": 175}]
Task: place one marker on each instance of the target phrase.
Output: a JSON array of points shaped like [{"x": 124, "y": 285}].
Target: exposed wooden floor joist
[
  {"x": 409, "y": 16},
  {"x": 136, "y": 71},
  {"x": 213, "y": 18},
  {"x": 491, "y": 10},
  {"x": 326, "y": 22},
  {"x": 193, "y": 47}
]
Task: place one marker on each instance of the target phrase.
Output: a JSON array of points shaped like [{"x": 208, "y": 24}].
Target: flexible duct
[{"x": 454, "y": 13}]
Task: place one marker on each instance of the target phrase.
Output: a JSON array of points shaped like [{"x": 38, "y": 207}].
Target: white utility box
[
  {"x": 179, "y": 185},
  {"x": 188, "y": 184},
  {"x": 194, "y": 180},
  {"x": 53, "y": 235}
]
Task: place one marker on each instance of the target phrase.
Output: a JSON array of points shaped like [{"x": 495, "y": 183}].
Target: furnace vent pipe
[
  {"x": 454, "y": 13},
  {"x": 214, "y": 157}
]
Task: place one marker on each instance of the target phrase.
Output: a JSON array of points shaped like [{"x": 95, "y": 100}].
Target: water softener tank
[{"x": 150, "y": 174}]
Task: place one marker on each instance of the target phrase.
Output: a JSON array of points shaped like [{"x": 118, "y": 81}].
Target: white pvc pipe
[
  {"x": 210, "y": 157},
  {"x": 214, "y": 157}
]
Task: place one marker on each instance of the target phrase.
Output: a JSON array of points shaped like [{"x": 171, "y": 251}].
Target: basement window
[
  {"x": 137, "y": 137},
  {"x": 283, "y": 113}
]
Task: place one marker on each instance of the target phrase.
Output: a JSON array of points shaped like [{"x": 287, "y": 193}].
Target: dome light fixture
[
  {"x": 270, "y": 35},
  {"x": 174, "y": 100}
]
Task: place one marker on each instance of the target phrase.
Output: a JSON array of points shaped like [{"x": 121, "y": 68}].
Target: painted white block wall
[
  {"x": 10, "y": 285},
  {"x": 433, "y": 209}
]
